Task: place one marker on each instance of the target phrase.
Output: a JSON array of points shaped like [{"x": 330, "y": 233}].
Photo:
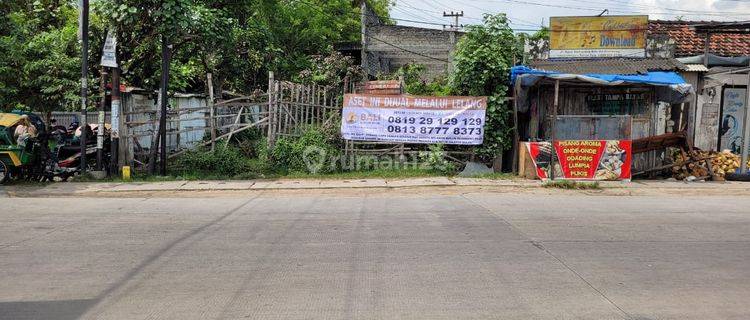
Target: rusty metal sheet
[
  {"x": 384, "y": 87},
  {"x": 593, "y": 128}
]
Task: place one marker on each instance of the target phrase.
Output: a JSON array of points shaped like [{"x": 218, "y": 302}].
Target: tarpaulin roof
[
  {"x": 528, "y": 77},
  {"x": 672, "y": 86},
  {"x": 608, "y": 66}
]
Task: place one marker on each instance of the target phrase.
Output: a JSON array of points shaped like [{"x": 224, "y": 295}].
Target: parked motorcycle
[{"x": 28, "y": 151}]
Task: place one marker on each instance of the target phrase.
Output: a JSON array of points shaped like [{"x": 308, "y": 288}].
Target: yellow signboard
[{"x": 608, "y": 36}]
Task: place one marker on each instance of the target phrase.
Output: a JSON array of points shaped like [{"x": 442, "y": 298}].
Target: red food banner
[{"x": 584, "y": 159}]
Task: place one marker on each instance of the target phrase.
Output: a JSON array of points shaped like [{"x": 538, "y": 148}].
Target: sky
[{"x": 529, "y": 15}]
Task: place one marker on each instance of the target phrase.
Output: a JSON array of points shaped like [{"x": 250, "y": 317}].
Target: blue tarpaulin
[
  {"x": 528, "y": 77},
  {"x": 672, "y": 87}
]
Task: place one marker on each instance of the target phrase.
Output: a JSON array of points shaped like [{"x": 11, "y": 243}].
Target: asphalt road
[{"x": 401, "y": 255}]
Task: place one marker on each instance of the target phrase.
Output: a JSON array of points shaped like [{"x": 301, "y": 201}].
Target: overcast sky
[{"x": 530, "y": 14}]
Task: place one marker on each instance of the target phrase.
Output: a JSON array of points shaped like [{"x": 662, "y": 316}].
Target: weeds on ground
[
  {"x": 572, "y": 185},
  {"x": 369, "y": 174}
]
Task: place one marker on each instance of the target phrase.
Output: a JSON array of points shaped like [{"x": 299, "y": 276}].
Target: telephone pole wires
[{"x": 456, "y": 26}]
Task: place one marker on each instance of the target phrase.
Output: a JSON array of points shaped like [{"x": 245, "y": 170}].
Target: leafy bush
[
  {"x": 225, "y": 161},
  {"x": 315, "y": 151},
  {"x": 435, "y": 160},
  {"x": 482, "y": 61}
]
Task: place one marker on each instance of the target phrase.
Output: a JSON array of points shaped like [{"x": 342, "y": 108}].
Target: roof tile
[{"x": 689, "y": 43}]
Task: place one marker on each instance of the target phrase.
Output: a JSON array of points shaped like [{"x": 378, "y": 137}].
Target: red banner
[{"x": 584, "y": 159}]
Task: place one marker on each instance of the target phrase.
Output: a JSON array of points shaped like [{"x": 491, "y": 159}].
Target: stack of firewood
[{"x": 721, "y": 163}]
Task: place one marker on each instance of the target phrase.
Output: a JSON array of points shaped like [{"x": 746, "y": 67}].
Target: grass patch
[
  {"x": 572, "y": 185},
  {"x": 369, "y": 174},
  {"x": 196, "y": 175}
]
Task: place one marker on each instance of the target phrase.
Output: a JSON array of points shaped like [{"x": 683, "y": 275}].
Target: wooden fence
[{"x": 283, "y": 110}]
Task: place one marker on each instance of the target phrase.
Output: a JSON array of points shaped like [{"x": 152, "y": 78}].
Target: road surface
[{"x": 412, "y": 254}]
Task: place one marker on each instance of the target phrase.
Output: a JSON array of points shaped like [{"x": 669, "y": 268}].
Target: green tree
[
  {"x": 482, "y": 63},
  {"x": 238, "y": 41},
  {"x": 40, "y": 55}
]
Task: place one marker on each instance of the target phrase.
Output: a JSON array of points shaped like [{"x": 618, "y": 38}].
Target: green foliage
[
  {"x": 331, "y": 70},
  {"x": 238, "y": 41},
  {"x": 435, "y": 160},
  {"x": 414, "y": 75},
  {"x": 483, "y": 59},
  {"x": 572, "y": 185},
  {"x": 316, "y": 145},
  {"x": 542, "y": 34},
  {"x": 40, "y": 60},
  {"x": 53, "y": 68},
  {"x": 228, "y": 161}
]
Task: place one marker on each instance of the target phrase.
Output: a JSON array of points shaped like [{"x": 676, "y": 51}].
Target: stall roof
[
  {"x": 621, "y": 66},
  {"x": 529, "y": 77},
  {"x": 677, "y": 91}
]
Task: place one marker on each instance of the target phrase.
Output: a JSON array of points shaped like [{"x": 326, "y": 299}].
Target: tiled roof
[
  {"x": 609, "y": 66},
  {"x": 689, "y": 43}
]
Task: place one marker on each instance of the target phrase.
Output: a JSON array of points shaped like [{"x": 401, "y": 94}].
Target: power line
[
  {"x": 599, "y": 9},
  {"x": 413, "y": 15},
  {"x": 437, "y": 12},
  {"x": 407, "y": 50},
  {"x": 647, "y": 7}
]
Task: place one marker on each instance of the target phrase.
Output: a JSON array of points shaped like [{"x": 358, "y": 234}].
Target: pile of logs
[{"x": 721, "y": 163}]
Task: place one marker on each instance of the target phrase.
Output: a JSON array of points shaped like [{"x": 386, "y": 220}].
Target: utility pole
[
  {"x": 165, "y": 57},
  {"x": 84, "y": 78},
  {"x": 115, "y": 119},
  {"x": 114, "y": 144},
  {"x": 100, "y": 131},
  {"x": 455, "y": 15}
]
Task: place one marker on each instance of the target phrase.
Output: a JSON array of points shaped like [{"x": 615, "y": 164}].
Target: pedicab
[
  {"x": 23, "y": 148},
  {"x": 29, "y": 152}
]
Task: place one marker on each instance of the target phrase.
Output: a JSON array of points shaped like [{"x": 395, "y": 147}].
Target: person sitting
[{"x": 25, "y": 130}]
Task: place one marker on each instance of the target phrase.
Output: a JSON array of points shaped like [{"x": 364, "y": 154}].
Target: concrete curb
[{"x": 94, "y": 188}]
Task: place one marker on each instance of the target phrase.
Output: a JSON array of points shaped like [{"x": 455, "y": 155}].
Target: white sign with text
[{"x": 412, "y": 119}]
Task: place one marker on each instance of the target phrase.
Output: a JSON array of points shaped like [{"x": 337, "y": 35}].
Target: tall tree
[
  {"x": 483, "y": 59},
  {"x": 39, "y": 55}
]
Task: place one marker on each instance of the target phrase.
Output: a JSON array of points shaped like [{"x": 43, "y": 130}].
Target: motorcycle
[{"x": 47, "y": 155}]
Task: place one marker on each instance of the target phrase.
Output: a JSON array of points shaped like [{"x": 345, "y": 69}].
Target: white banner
[{"x": 412, "y": 119}]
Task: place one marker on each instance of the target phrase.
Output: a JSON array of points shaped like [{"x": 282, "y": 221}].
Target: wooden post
[
  {"x": 234, "y": 126},
  {"x": 746, "y": 131},
  {"x": 516, "y": 138},
  {"x": 553, "y": 156},
  {"x": 271, "y": 109},
  {"x": 211, "y": 111}
]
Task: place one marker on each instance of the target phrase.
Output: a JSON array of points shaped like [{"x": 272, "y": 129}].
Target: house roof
[
  {"x": 621, "y": 66},
  {"x": 690, "y": 43},
  {"x": 696, "y": 68}
]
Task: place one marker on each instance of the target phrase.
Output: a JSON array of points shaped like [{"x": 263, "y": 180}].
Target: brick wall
[{"x": 384, "y": 47}]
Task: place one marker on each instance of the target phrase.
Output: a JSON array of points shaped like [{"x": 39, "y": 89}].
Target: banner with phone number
[
  {"x": 584, "y": 159},
  {"x": 414, "y": 119}
]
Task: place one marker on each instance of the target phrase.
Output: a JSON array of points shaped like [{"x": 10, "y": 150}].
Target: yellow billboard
[{"x": 593, "y": 37}]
